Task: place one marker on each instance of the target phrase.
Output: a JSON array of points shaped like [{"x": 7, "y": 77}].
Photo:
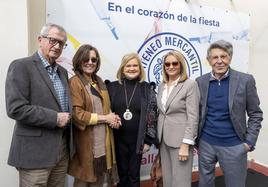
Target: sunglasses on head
[
  {"x": 92, "y": 59},
  {"x": 168, "y": 64}
]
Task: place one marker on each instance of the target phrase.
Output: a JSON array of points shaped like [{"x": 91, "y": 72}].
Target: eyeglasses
[
  {"x": 92, "y": 59},
  {"x": 54, "y": 41},
  {"x": 168, "y": 64}
]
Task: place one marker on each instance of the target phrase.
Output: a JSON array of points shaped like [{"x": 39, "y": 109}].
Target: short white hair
[{"x": 46, "y": 28}]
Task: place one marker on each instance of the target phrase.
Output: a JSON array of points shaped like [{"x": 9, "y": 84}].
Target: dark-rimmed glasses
[
  {"x": 54, "y": 41},
  {"x": 168, "y": 64}
]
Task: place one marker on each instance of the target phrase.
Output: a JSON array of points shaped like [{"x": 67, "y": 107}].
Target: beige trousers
[
  {"x": 47, "y": 177},
  {"x": 176, "y": 173},
  {"x": 100, "y": 183}
]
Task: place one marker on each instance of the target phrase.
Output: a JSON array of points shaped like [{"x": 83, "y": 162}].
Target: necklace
[
  {"x": 127, "y": 114},
  {"x": 93, "y": 84}
]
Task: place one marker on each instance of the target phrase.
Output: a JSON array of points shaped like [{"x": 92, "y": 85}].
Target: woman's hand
[
  {"x": 184, "y": 152},
  {"x": 146, "y": 148},
  {"x": 117, "y": 122},
  {"x": 113, "y": 120}
]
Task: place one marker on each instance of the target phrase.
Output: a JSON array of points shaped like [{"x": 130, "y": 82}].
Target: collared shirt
[
  {"x": 57, "y": 84},
  {"x": 212, "y": 77},
  {"x": 166, "y": 92}
]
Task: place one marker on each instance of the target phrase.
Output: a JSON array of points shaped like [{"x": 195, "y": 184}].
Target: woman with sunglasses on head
[
  {"x": 94, "y": 160},
  {"x": 178, "y": 107},
  {"x": 134, "y": 101}
]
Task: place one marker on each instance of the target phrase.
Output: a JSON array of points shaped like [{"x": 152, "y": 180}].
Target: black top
[
  {"x": 142, "y": 127},
  {"x": 128, "y": 132}
]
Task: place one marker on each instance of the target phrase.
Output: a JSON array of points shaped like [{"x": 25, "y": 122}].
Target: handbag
[{"x": 156, "y": 172}]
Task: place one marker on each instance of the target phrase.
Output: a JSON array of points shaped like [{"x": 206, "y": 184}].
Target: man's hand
[
  {"x": 63, "y": 118},
  {"x": 247, "y": 147}
]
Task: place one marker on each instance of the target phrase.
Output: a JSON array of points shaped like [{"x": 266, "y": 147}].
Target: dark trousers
[{"x": 128, "y": 163}]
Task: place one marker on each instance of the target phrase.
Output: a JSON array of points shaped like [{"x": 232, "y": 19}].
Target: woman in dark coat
[{"x": 135, "y": 102}]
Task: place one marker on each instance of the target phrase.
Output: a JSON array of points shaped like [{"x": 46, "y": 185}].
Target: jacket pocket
[{"x": 28, "y": 131}]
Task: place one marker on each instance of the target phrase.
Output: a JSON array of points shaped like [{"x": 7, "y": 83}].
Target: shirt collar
[
  {"x": 46, "y": 63},
  {"x": 212, "y": 76},
  {"x": 174, "y": 83}
]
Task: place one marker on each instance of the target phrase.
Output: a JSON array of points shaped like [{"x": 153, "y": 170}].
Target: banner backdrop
[{"x": 151, "y": 28}]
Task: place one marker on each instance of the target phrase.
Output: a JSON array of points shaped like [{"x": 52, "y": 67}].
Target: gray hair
[
  {"x": 221, "y": 44},
  {"x": 46, "y": 28}
]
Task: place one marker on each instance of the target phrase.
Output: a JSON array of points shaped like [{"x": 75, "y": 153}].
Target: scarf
[{"x": 103, "y": 148}]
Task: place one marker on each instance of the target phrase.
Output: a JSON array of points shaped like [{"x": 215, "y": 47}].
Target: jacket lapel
[
  {"x": 144, "y": 100},
  {"x": 205, "y": 86},
  {"x": 45, "y": 76},
  {"x": 173, "y": 93},
  {"x": 159, "y": 96},
  {"x": 233, "y": 85}
]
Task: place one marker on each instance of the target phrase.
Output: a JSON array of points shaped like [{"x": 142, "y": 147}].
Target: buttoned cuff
[
  {"x": 188, "y": 141},
  {"x": 93, "y": 119}
]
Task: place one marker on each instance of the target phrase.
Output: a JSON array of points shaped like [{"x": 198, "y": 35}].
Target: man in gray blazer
[
  {"x": 225, "y": 132},
  {"x": 37, "y": 97}
]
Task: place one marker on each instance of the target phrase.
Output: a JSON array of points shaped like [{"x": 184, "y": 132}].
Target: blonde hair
[
  {"x": 126, "y": 58},
  {"x": 181, "y": 60}
]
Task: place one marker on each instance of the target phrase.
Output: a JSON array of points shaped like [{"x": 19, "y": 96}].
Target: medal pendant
[{"x": 127, "y": 115}]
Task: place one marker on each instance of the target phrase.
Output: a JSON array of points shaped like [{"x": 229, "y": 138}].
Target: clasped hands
[{"x": 113, "y": 120}]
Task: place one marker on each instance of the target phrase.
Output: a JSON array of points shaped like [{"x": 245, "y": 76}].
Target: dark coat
[{"x": 148, "y": 116}]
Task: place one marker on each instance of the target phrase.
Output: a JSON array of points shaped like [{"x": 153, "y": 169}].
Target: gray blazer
[
  {"x": 180, "y": 119},
  {"x": 243, "y": 98},
  {"x": 32, "y": 101}
]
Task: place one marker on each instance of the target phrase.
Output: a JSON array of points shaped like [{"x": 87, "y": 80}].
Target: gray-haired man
[
  {"x": 225, "y": 133},
  {"x": 37, "y": 97}
]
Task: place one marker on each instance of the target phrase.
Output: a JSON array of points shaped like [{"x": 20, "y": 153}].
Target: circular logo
[{"x": 153, "y": 49}]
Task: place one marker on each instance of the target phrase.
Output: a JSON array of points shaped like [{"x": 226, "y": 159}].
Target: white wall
[
  {"x": 258, "y": 67},
  {"x": 14, "y": 44}
]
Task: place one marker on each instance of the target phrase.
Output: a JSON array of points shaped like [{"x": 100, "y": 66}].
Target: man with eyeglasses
[
  {"x": 225, "y": 132},
  {"x": 38, "y": 99}
]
